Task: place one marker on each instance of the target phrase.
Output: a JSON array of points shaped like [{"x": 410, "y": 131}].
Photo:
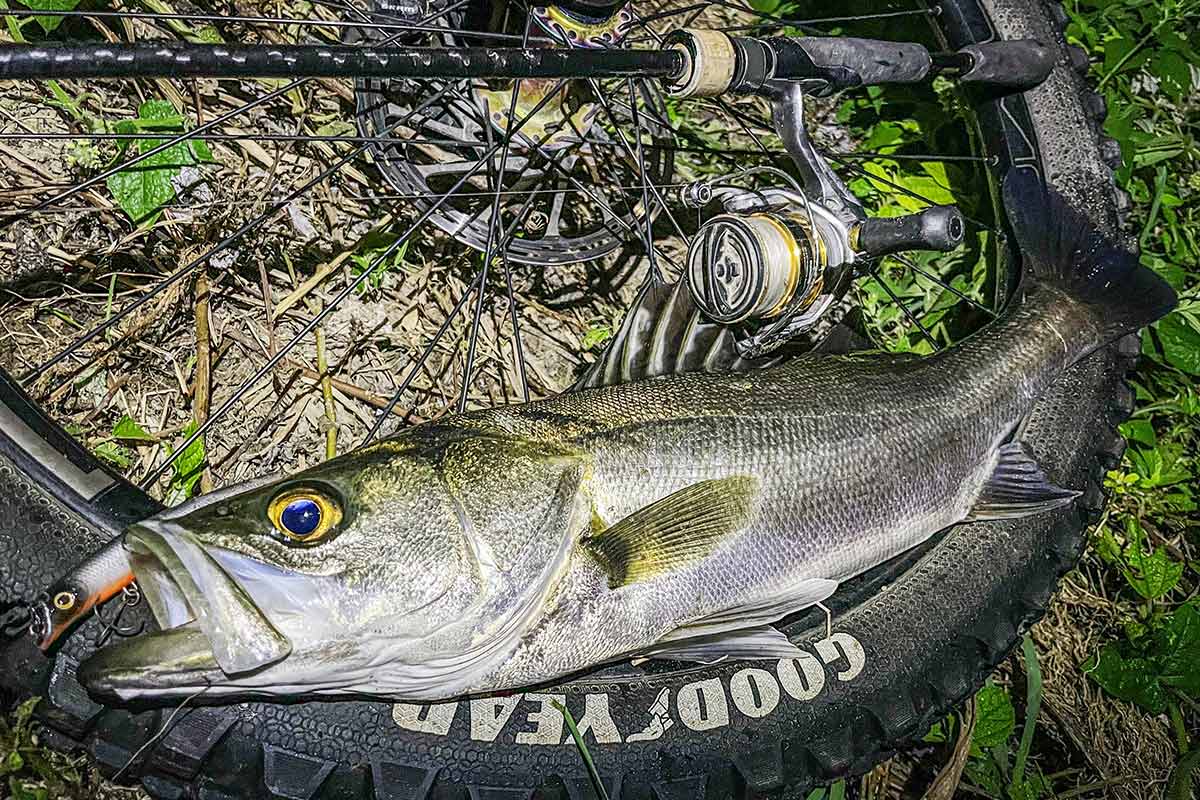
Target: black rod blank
[{"x": 315, "y": 61}]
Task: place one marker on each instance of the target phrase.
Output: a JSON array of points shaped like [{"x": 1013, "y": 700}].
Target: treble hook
[{"x": 131, "y": 595}]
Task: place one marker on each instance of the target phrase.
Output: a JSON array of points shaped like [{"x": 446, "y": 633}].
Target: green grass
[
  {"x": 1143, "y": 552},
  {"x": 1146, "y": 543}
]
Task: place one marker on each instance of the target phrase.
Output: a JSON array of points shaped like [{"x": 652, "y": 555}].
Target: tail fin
[{"x": 1063, "y": 248}]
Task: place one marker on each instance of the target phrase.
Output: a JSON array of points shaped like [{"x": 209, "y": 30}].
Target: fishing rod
[
  {"x": 691, "y": 62},
  {"x": 78, "y": 60}
]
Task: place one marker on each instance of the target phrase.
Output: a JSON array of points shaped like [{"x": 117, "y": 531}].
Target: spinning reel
[{"x": 772, "y": 260}]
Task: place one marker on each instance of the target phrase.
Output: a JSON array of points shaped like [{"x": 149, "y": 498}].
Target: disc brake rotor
[{"x": 571, "y": 188}]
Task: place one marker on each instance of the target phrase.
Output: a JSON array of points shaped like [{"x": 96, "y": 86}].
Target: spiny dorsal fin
[
  {"x": 677, "y": 530},
  {"x": 1018, "y": 487},
  {"x": 663, "y": 333}
]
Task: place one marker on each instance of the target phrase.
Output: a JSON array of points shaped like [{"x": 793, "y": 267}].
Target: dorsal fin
[{"x": 663, "y": 333}]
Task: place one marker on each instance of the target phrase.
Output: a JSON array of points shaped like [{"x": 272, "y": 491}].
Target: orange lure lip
[
  {"x": 63, "y": 621},
  {"x": 99, "y": 578}
]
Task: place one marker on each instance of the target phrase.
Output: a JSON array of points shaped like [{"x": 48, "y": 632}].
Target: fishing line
[{"x": 166, "y": 726}]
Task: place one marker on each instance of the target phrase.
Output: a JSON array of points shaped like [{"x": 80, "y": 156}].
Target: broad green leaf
[
  {"x": 1173, "y": 73},
  {"x": 187, "y": 468},
  {"x": 1025, "y": 790},
  {"x": 1160, "y": 148},
  {"x": 1180, "y": 639},
  {"x": 143, "y": 188},
  {"x": 597, "y": 334},
  {"x": 20, "y": 790},
  {"x": 201, "y": 151},
  {"x": 1180, "y": 343},
  {"x": 937, "y": 171},
  {"x": 1107, "y": 546},
  {"x": 157, "y": 109},
  {"x": 984, "y": 773},
  {"x": 994, "y": 717},
  {"x": 127, "y": 429},
  {"x": 13, "y": 763},
  {"x": 1153, "y": 574},
  {"x": 114, "y": 454},
  {"x": 883, "y": 135},
  {"x": 48, "y": 24},
  {"x": 1139, "y": 430},
  {"x": 1132, "y": 679},
  {"x": 1140, "y": 671},
  {"x": 1172, "y": 273}
]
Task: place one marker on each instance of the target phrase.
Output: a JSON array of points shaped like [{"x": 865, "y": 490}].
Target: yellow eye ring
[
  {"x": 64, "y": 601},
  {"x": 304, "y": 515}
]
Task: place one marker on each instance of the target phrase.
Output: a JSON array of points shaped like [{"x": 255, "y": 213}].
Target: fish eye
[
  {"x": 64, "y": 601},
  {"x": 304, "y": 516}
]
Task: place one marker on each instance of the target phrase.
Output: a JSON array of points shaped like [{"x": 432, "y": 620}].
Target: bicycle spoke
[
  {"x": 944, "y": 284},
  {"x": 390, "y": 408},
  {"x": 857, "y": 170},
  {"x": 403, "y": 386},
  {"x": 183, "y": 137},
  {"x": 647, "y": 217},
  {"x": 497, "y": 183},
  {"x": 867, "y": 155},
  {"x": 803, "y": 23},
  {"x": 660, "y": 15},
  {"x": 217, "y": 19},
  {"x": 904, "y": 309},
  {"x": 645, "y": 181},
  {"x": 188, "y": 268},
  {"x": 315, "y": 320},
  {"x": 518, "y": 347}
]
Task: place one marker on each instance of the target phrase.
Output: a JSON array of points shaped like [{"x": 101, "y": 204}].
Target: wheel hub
[
  {"x": 575, "y": 28},
  {"x": 544, "y": 129}
]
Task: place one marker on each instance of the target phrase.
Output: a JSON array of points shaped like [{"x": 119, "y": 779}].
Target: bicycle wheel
[{"x": 895, "y": 660}]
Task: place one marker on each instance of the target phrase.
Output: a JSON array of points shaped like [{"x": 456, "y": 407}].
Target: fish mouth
[{"x": 211, "y": 629}]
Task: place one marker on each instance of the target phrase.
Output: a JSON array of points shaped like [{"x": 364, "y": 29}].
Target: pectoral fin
[
  {"x": 678, "y": 530},
  {"x": 1018, "y": 488},
  {"x": 759, "y": 642}
]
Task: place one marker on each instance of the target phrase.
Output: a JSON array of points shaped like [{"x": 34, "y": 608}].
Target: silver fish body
[{"x": 675, "y": 518}]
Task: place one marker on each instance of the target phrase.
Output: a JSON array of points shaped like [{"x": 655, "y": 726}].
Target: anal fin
[
  {"x": 743, "y": 631},
  {"x": 761, "y": 641},
  {"x": 1018, "y": 488}
]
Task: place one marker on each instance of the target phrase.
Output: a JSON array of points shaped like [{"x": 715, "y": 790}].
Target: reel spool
[{"x": 767, "y": 265}]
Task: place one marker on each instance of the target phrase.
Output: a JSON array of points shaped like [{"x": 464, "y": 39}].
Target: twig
[
  {"x": 1092, "y": 787},
  {"x": 350, "y": 389},
  {"x": 265, "y": 285},
  {"x": 203, "y": 384},
  {"x": 950, "y": 775},
  {"x": 326, "y": 390}
]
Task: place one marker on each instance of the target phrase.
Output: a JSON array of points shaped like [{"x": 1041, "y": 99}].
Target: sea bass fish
[{"x": 676, "y": 517}]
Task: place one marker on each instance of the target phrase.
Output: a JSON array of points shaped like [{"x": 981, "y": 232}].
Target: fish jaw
[
  {"x": 211, "y": 628},
  {"x": 165, "y": 665}
]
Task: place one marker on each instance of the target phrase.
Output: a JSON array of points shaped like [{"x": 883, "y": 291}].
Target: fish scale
[{"x": 672, "y": 517}]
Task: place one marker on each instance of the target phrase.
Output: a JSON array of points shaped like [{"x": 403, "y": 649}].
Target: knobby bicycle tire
[{"x": 910, "y": 640}]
